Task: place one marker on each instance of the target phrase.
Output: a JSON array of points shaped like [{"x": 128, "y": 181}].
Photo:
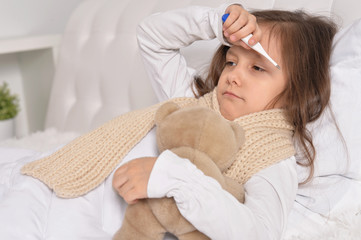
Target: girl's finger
[
  {"x": 124, "y": 190},
  {"x": 133, "y": 201},
  {"x": 119, "y": 181},
  {"x": 118, "y": 174},
  {"x": 230, "y": 20},
  {"x": 241, "y": 43},
  {"x": 257, "y": 35},
  {"x": 131, "y": 196},
  {"x": 237, "y": 25},
  {"x": 244, "y": 32},
  {"x": 121, "y": 170}
]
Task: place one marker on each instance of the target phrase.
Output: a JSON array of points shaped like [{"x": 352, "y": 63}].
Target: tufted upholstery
[{"x": 100, "y": 74}]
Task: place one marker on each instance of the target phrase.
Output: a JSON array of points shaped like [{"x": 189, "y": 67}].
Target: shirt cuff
[
  {"x": 219, "y": 13},
  {"x": 169, "y": 173}
]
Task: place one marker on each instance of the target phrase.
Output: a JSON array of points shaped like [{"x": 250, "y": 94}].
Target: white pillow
[
  {"x": 337, "y": 169},
  {"x": 332, "y": 157}
]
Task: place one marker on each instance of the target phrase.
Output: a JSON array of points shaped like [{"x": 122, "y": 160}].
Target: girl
[
  {"x": 242, "y": 86},
  {"x": 245, "y": 83}
]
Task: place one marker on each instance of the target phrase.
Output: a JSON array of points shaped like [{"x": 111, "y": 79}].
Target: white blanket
[
  {"x": 27, "y": 206},
  {"x": 30, "y": 210}
]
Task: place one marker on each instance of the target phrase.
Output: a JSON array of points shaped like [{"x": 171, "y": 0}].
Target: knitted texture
[
  {"x": 268, "y": 140},
  {"x": 84, "y": 163}
]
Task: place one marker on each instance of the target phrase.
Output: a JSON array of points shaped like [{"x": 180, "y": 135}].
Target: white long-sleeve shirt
[{"x": 270, "y": 194}]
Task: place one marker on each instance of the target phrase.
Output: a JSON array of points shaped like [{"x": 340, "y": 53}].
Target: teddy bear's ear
[
  {"x": 164, "y": 110},
  {"x": 239, "y": 133}
]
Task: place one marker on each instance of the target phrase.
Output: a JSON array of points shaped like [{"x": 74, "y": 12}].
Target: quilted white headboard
[{"x": 100, "y": 74}]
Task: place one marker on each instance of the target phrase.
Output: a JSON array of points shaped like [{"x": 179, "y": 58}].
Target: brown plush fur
[{"x": 207, "y": 140}]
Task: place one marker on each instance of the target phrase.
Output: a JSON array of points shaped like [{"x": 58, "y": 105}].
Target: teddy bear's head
[{"x": 199, "y": 128}]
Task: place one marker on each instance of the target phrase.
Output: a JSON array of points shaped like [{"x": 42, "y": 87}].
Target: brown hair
[{"x": 306, "y": 43}]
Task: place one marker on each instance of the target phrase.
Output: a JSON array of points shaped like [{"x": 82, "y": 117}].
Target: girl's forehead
[
  {"x": 269, "y": 38},
  {"x": 270, "y": 43}
]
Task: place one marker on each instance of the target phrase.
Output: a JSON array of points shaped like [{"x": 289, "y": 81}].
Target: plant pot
[{"x": 6, "y": 129}]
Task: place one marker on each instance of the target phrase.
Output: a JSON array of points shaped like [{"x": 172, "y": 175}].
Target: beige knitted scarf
[{"x": 84, "y": 163}]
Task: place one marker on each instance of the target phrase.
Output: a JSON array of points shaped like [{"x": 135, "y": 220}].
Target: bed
[{"x": 99, "y": 72}]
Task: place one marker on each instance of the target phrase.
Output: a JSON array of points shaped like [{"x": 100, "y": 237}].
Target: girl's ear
[
  {"x": 164, "y": 110},
  {"x": 238, "y": 133}
]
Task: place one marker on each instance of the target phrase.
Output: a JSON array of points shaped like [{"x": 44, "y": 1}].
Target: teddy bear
[{"x": 210, "y": 142}]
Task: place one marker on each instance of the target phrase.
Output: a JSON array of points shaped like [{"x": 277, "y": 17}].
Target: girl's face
[{"x": 249, "y": 82}]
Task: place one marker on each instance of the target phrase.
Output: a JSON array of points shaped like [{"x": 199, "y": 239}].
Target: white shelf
[
  {"x": 28, "y": 65},
  {"x": 23, "y": 44}
]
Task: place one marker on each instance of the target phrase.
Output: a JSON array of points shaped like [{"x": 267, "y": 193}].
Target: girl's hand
[
  {"x": 240, "y": 24},
  {"x": 131, "y": 179}
]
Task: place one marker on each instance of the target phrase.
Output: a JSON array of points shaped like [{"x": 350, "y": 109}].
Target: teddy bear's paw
[
  {"x": 129, "y": 232},
  {"x": 140, "y": 223}
]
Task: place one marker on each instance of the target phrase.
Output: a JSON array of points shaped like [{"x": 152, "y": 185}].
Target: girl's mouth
[{"x": 231, "y": 94}]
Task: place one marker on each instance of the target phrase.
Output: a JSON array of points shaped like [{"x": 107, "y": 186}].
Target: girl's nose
[{"x": 234, "y": 78}]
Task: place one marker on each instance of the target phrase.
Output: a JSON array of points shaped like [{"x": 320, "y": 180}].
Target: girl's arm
[
  {"x": 160, "y": 37},
  {"x": 270, "y": 196}
]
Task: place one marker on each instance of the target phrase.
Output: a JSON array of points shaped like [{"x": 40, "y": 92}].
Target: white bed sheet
[
  {"x": 27, "y": 206},
  {"x": 98, "y": 214}
]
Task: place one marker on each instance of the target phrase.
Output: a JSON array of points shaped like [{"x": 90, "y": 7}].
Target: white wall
[
  {"x": 30, "y": 73},
  {"x": 33, "y": 17}
]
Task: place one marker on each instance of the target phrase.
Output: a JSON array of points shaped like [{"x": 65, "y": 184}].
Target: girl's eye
[
  {"x": 259, "y": 69},
  {"x": 230, "y": 63}
]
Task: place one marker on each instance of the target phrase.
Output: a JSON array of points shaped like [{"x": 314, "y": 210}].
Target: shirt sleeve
[
  {"x": 162, "y": 35},
  {"x": 201, "y": 200}
]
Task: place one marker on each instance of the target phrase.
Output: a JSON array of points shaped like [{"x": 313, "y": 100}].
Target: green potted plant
[{"x": 9, "y": 108}]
